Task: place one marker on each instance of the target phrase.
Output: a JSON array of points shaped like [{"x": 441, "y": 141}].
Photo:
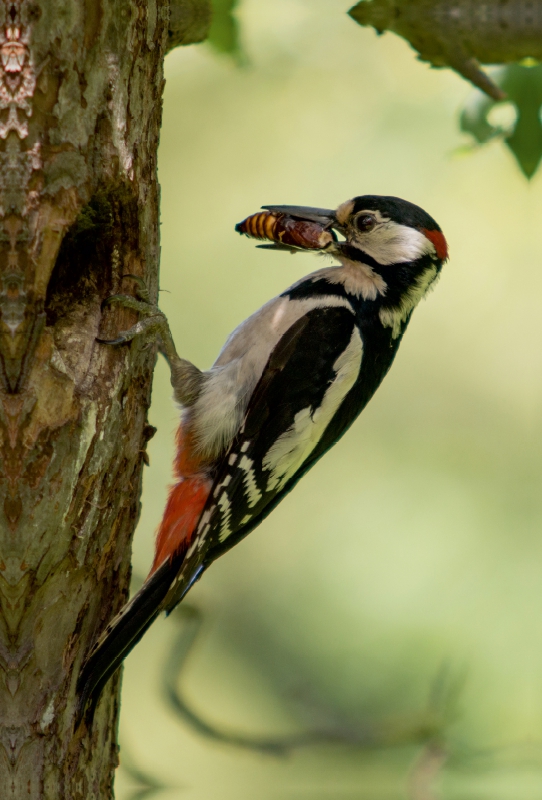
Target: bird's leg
[{"x": 186, "y": 379}]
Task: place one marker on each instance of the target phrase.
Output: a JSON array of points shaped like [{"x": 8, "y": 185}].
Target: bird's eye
[{"x": 365, "y": 222}]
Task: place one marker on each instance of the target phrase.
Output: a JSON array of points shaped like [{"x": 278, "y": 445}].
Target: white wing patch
[
  {"x": 293, "y": 447},
  {"x": 225, "y": 506},
  {"x": 253, "y": 493}
]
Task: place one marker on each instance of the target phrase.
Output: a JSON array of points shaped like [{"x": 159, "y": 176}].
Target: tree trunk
[{"x": 80, "y": 105}]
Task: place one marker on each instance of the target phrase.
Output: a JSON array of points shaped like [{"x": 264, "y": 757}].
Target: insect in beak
[{"x": 291, "y": 228}]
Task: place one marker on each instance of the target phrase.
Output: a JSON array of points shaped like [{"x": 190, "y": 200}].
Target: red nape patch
[
  {"x": 439, "y": 242},
  {"x": 184, "y": 506}
]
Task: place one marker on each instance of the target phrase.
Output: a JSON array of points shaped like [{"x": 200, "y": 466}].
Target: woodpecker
[{"x": 288, "y": 383}]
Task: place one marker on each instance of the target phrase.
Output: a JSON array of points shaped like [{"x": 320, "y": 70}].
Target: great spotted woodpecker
[{"x": 288, "y": 383}]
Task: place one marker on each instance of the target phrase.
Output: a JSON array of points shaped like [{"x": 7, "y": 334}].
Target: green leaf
[
  {"x": 523, "y": 87},
  {"x": 224, "y": 33}
]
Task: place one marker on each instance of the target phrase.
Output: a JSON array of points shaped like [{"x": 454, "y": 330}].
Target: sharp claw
[
  {"x": 115, "y": 298},
  {"x": 118, "y": 340},
  {"x": 152, "y": 327}
]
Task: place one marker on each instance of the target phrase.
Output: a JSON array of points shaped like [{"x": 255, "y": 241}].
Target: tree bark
[{"x": 80, "y": 105}]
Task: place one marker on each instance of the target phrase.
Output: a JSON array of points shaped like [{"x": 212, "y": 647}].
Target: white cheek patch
[
  {"x": 293, "y": 447},
  {"x": 392, "y": 243}
]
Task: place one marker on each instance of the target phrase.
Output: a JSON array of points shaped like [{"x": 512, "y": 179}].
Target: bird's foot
[
  {"x": 154, "y": 325},
  {"x": 186, "y": 378}
]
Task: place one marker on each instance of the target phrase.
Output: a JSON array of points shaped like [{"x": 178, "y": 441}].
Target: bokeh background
[{"x": 385, "y": 623}]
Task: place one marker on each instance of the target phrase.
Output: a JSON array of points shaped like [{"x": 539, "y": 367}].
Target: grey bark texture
[{"x": 81, "y": 84}]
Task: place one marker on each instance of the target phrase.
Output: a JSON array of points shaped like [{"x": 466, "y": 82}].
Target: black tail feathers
[{"x": 119, "y": 637}]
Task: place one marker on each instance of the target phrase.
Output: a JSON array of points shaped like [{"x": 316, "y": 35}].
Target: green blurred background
[{"x": 392, "y": 602}]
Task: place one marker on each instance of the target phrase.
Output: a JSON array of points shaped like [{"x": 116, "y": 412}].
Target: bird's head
[
  {"x": 394, "y": 247},
  {"x": 387, "y": 230}
]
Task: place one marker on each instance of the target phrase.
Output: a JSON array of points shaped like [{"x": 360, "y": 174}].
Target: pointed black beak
[{"x": 323, "y": 216}]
